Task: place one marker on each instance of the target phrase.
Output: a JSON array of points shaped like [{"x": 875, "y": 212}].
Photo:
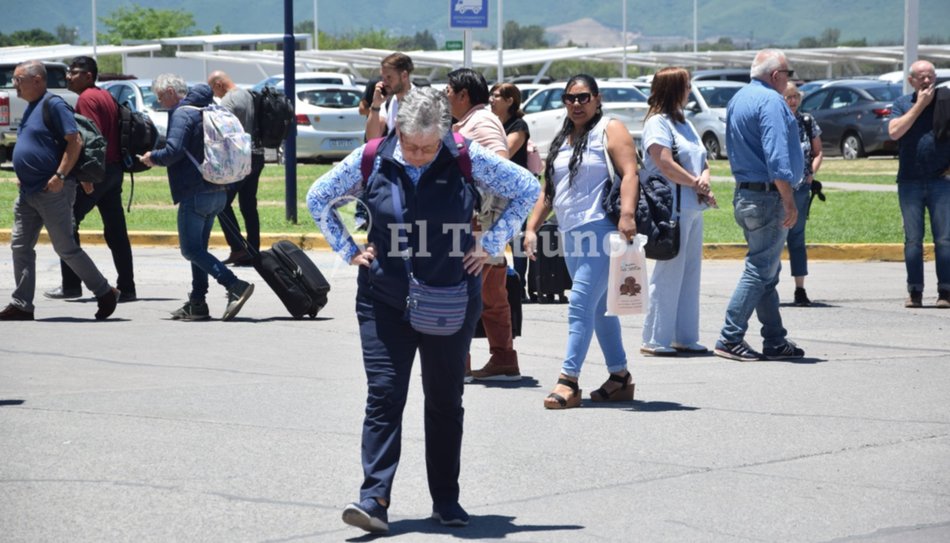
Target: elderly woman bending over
[{"x": 417, "y": 182}]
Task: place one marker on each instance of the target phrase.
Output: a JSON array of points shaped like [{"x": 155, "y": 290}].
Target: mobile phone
[{"x": 382, "y": 91}]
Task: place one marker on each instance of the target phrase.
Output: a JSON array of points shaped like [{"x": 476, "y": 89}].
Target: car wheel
[
  {"x": 852, "y": 147},
  {"x": 713, "y": 149}
]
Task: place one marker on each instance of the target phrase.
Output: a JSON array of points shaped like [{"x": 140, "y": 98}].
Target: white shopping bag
[{"x": 628, "y": 286}]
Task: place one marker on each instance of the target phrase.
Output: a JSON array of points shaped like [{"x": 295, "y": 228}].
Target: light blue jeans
[
  {"x": 588, "y": 261},
  {"x": 915, "y": 196},
  {"x": 674, "y": 288},
  {"x": 797, "y": 256},
  {"x": 760, "y": 215}
]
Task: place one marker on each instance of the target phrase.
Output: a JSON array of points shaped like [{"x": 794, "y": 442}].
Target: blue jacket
[{"x": 185, "y": 131}]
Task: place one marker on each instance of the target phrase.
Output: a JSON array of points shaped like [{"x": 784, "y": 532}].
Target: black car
[{"x": 853, "y": 116}]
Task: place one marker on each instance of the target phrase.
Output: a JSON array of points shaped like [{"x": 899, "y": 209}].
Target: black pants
[
  {"x": 107, "y": 196},
  {"x": 246, "y": 192},
  {"x": 389, "y": 348}
]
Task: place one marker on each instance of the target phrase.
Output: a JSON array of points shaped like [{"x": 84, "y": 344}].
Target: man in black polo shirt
[{"x": 922, "y": 183}]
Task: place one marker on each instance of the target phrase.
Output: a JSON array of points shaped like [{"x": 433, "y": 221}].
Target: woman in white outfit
[{"x": 675, "y": 152}]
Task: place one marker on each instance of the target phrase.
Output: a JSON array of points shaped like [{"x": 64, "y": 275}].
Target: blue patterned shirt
[{"x": 490, "y": 172}]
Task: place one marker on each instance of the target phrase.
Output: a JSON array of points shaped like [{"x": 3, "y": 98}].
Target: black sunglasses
[
  {"x": 580, "y": 98},
  {"x": 791, "y": 73}
]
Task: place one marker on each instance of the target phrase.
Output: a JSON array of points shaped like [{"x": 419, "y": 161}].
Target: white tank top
[{"x": 578, "y": 203}]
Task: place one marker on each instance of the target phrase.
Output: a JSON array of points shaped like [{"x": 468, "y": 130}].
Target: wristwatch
[
  {"x": 61, "y": 176},
  {"x": 373, "y": 108}
]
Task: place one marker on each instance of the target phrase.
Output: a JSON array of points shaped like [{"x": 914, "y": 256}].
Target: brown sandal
[
  {"x": 622, "y": 394},
  {"x": 556, "y": 401}
]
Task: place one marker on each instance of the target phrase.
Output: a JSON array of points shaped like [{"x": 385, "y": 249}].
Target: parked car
[
  {"x": 853, "y": 116},
  {"x": 706, "y": 109},
  {"x": 943, "y": 75},
  {"x": 812, "y": 86},
  {"x": 544, "y": 111},
  {"x": 742, "y": 75},
  {"x": 307, "y": 78},
  {"x": 329, "y": 124}
]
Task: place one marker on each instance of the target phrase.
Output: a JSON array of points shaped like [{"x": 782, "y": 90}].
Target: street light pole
[
  {"x": 695, "y": 26},
  {"x": 94, "y": 32},
  {"x": 316, "y": 34},
  {"x": 623, "y": 38}
]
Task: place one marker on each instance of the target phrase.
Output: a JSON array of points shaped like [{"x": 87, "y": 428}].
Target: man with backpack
[
  {"x": 43, "y": 160},
  {"x": 99, "y": 106},
  {"x": 199, "y": 201},
  {"x": 241, "y": 102}
]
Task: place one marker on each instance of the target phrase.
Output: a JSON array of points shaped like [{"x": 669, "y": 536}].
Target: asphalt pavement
[{"x": 145, "y": 429}]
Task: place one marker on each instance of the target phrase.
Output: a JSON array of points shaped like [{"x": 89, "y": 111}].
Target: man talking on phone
[
  {"x": 922, "y": 182},
  {"x": 395, "y": 73}
]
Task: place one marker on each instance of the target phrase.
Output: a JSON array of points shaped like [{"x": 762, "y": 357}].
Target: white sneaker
[{"x": 655, "y": 349}]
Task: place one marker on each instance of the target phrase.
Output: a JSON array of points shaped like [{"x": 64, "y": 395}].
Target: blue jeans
[
  {"x": 196, "y": 216},
  {"x": 760, "y": 215},
  {"x": 674, "y": 288},
  {"x": 588, "y": 262},
  {"x": 797, "y": 257},
  {"x": 914, "y": 196}
]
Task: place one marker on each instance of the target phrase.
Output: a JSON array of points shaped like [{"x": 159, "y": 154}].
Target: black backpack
[
  {"x": 91, "y": 165},
  {"x": 137, "y": 136},
  {"x": 273, "y": 115}
]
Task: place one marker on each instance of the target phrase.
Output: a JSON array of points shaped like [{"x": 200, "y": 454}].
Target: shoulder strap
[
  {"x": 369, "y": 157},
  {"x": 464, "y": 160}
]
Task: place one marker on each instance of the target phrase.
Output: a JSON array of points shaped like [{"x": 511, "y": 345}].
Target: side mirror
[{"x": 693, "y": 106}]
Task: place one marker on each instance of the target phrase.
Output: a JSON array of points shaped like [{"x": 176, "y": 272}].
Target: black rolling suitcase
[
  {"x": 294, "y": 278},
  {"x": 548, "y": 279},
  {"x": 290, "y": 273},
  {"x": 513, "y": 285}
]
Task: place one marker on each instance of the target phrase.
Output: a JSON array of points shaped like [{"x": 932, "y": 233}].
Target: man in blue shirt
[
  {"x": 43, "y": 159},
  {"x": 922, "y": 182},
  {"x": 767, "y": 161}
]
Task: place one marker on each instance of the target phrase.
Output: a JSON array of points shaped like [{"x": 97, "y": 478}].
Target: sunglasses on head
[{"x": 579, "y": 98}]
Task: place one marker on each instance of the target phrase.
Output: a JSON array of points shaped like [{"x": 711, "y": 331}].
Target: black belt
[{"x": 758, "y": 187}]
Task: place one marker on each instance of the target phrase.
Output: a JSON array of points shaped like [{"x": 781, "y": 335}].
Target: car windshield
[
  {"x": 621, "y": 94},
  {"x": 717, "y": 97},
  {"x": 885, "y": 94},
  {"x": 332, "y": 98}
]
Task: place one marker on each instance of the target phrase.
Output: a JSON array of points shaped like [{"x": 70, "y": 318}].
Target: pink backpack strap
[
  {"x": 464, "y": 160},
  {"x": 369, "y": 157}
]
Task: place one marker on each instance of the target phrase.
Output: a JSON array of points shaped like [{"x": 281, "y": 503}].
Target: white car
[
  {"x": 307, "y": 78},
  {"x": 138, "y": 95},
  {"x": 329, "y": 124},
  {"x": 706, "y": 109},
  {"x": 544, "y": 111}
]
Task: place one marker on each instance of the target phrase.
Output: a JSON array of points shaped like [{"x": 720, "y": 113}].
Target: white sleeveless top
[{"x": 578, "y": 203}]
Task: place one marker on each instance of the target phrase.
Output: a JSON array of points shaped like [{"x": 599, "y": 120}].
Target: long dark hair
[{"x": 580, "y": 143}]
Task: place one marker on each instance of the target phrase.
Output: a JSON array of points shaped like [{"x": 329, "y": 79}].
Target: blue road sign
[{"x": 468, "y": 13}]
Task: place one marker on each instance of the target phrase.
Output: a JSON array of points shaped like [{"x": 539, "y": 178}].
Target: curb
[{"x": 882, "y": 252}]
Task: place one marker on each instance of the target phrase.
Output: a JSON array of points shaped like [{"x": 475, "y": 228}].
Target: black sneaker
[
  {"x": 915, "y": 298},
  {"x": 789, "y": 351},
  {"x": 368, "y": 515},
  {"x": 801, "y": 299},
  {"x": 193, "y": 310},
  {"x": 450, "y": 515},
  {"x": 107, "y": 303},
  {"x": 943, "y": 299},
  {"x": 126, "y": 296},
  {"x": 737, "y": 351},
  {"x": 237, "y": 295}
]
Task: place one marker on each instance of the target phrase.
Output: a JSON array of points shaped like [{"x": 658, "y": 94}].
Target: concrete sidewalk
[{"x": 146, "y": 429}]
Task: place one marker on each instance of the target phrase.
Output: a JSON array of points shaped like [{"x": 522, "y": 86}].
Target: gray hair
[
  {"x": 34, "y": 68},
  {"x": 766, "y": 62},
  {"x": 424, "y": 110},
  {"x": 172, "y": 81}
]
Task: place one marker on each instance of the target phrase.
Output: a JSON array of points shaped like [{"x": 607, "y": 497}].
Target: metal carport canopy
[{"x": 22, "y": 53}]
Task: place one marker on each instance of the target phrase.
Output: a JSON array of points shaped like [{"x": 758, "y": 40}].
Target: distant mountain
[{"x": 761, "y": 21}]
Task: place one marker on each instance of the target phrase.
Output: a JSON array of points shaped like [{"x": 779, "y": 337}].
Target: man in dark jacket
[{"x": 199, "y": 201}]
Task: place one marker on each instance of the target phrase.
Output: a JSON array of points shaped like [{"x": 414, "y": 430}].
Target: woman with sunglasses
[{"x": 576, "y": 174}]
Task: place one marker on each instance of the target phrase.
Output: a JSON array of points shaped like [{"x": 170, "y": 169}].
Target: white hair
[
  {"x": 424, "y": 110},
  {"x": 172, "y": 81},
  {"x": 766, "y": 61}
]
